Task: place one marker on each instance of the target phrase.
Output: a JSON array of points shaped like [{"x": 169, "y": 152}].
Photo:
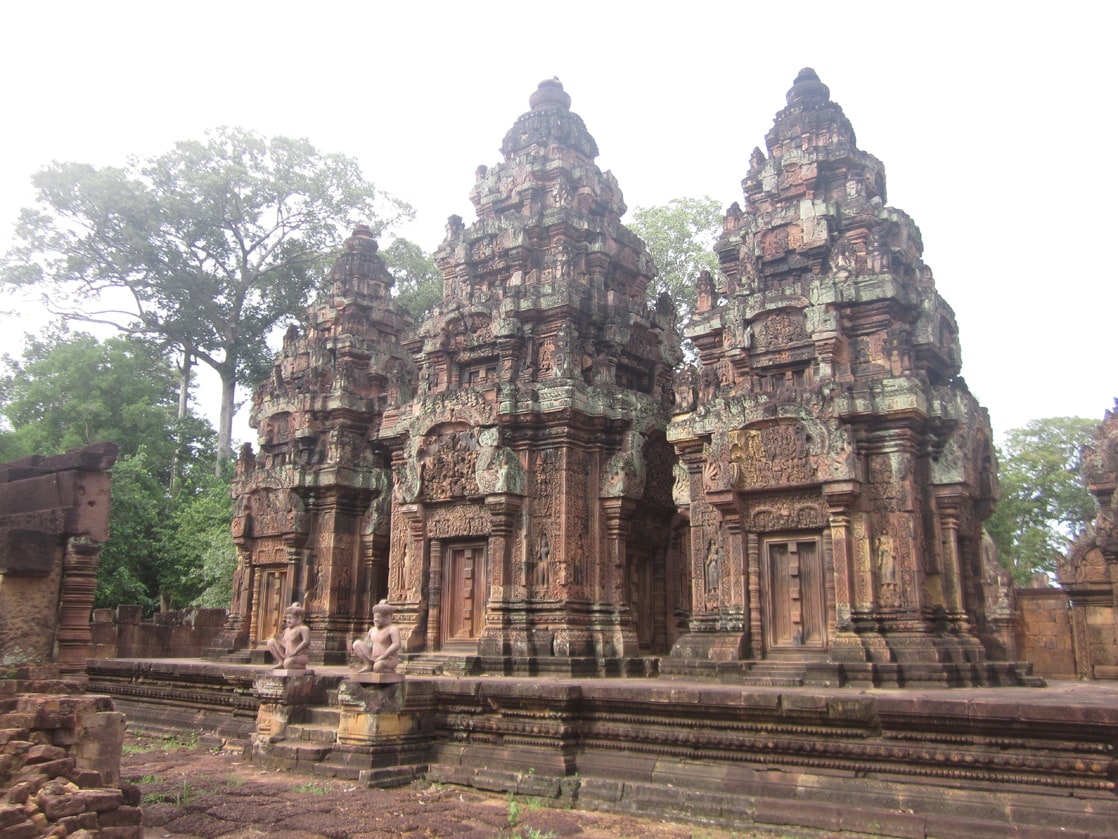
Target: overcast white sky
[{"x": 994, "y": 121}]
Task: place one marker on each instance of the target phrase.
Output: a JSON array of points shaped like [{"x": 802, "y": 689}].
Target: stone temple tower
[
  {"x": 532, "y": 478},
  {"x": 838, "y": 470},
  {"x": 311, "y": 517}
]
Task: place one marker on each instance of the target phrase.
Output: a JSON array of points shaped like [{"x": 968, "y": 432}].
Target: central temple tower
[{"x": 531, "y": 475}]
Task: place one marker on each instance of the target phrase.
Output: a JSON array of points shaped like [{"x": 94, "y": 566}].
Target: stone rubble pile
[{"x": 60, "y": 762}]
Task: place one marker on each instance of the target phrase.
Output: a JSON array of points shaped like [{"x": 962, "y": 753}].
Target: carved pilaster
[
  {"x": 949, "y": 503},
  {"x": 618, "y": 513},
  {"x": 435, "y": 595},
  {"x": 841, "y": 497},
  {"x": 755, "y": 648},
  {"x": 503, "y": 509},
  {"x": 739, "y": 601},
  {"x": 75, "y": 604}
]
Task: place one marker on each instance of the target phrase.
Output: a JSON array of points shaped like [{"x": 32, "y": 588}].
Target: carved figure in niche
[
  {"x": 708, "y": 383},
  {"x": 578, "y": 564},
  {"x": 713, "y": 567},
  {"x": 290, "y": 650},
  {"x": 561, "y": 358},
  {"x": 686, "y": 390},
  {"x": 540, "y": 565},
  {"x": 545, "y": 363},
  {"x": 380, "y": 648},
  {"x": 886, "y": 564}
]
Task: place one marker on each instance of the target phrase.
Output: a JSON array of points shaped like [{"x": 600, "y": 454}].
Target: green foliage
[
  {"x": 132, "y": 559},
  {"x": 167, "y": 550},
  {"x": 71, "y": 390},
  {"x": 680, "y": 236},
  {"x": 207, "y": 247},
  {"x": 1044, "y": 504},
  {"x": 200, "y": 550},
  {"x": 165, "y": 547},
  {"x": 419, "y": 283}
]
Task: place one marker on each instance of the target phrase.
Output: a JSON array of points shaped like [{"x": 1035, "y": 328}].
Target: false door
[
  {"x": 796, "y": 617},
  {"x": 465, "y": 590}
]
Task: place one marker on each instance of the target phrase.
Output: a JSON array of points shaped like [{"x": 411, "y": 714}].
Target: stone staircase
[{"x": 768, "y": 674}]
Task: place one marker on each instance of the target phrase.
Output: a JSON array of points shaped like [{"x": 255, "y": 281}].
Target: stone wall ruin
[{"x": 54, "y": 517}]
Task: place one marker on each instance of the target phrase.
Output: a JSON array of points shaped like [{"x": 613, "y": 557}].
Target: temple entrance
[
  {"x": 465, "y": 591},
  {"x": 270, "y": 604},
  {"x": 796, "y": 617}
]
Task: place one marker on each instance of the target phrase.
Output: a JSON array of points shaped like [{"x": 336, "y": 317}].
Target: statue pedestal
[
  {"x": 288, "y": 674},
  {"x": 283, "y": 696},
  {"x": 372, "y": 710},
  {"x": 370, "y": 678}
]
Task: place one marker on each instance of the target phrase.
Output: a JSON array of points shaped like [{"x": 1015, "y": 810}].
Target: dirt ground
[{"x": 190, "y": 793}]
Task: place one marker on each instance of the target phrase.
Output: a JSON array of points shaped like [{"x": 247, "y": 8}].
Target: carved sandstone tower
[
  {"x": 311, "y": 518},
  {"x": 531, "y": 473},
  {"x": 838, "y": 470}
]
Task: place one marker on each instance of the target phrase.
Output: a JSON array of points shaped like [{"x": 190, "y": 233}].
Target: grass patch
[
  {"x": 311, "y": 789},
  {"x": 174, "y": 743},
  {"x": 179, "y": 798}
]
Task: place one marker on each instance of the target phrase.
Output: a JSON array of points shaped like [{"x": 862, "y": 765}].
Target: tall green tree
[
  {"x": 680, "y": 236},
  {"x": 419, "y": 283},
  {"x": 1044, "y": 503},
  {"x": 207, "y": 247}
]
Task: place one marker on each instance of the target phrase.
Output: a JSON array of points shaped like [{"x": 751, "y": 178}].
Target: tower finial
[
  {"x": 550, "y": 92},
  {"x": 808, "y": 87}
]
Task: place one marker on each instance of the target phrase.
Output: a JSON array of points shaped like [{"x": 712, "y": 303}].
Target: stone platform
[{"x": 927, "y": 762}]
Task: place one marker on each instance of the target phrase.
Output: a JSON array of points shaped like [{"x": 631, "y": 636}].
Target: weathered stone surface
[{"x": 54, "y": 515}]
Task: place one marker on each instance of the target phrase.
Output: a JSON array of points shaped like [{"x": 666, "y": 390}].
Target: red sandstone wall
[
  {"x": 122, "y": 633},
  {"x": 1042, "y": 624}
]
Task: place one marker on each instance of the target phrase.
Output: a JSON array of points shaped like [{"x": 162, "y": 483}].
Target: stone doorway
[
  {"x": 796, "y": 614},
  {"x": 465, "y": 591},
  {"x": 270, "y": 604}
]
